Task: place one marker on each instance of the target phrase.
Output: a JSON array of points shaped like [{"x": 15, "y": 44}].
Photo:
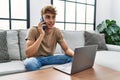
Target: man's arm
[
  {"x": 33, "y": 46},
  {"x": 66, "y": 49}
]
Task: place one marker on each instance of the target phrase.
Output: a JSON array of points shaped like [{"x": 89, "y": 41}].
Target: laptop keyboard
[{"x": 64, "y": 66}]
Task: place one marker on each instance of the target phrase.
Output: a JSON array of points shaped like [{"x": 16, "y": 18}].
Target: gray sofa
[{"x": 16, "y": 51}]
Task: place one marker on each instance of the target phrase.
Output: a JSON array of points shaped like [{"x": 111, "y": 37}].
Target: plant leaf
[
  {"x": 101, "y": 26},
  {"x": 111, "y": 31}
]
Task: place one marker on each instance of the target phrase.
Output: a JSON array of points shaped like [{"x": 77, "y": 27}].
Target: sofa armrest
[{"x": 113, "y": 47}]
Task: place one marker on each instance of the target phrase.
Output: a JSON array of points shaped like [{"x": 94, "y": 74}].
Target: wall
[
  {"x": 108, "y": 9},
  {"x": 35, "y": 7},
  {"x": 103, "y": 10},
  {"x": 115, "y": 11}
]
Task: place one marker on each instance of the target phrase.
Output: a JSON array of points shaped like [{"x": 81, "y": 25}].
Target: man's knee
[{"x": 31, "y": 64}]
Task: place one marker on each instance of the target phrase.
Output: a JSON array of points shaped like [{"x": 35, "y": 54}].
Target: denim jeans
[{"x": 34, "y": 63}]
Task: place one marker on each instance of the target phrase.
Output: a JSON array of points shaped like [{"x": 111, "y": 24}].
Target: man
[{"x": 41, "y": 43}]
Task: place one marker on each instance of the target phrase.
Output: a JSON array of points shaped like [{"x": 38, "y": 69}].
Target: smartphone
[{"x": 42, "y": 20}]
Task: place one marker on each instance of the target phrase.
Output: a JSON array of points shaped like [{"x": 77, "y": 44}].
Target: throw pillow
[
  {"x": 95, "y": 39},
  {"x": 4, "y": 57}
]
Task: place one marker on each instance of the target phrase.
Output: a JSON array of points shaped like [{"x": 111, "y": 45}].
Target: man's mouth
[{"x": 50, "y": 24}]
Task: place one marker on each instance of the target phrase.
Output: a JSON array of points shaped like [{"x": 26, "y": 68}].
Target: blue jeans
[{"x": 34, "y": 63}]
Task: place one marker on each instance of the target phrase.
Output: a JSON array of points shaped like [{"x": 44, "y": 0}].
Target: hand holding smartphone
[{"x": 43, "y": 26}]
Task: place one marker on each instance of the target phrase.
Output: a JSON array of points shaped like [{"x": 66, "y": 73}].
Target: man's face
[{"x": 49, "y": 19}]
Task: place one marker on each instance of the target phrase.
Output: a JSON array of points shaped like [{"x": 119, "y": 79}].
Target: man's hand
[{"x": 40, "y": 28}]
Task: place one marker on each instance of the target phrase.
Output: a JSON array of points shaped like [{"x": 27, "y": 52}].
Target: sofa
[{"x": 107, "y": 56}]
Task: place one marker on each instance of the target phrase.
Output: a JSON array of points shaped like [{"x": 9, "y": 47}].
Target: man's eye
[
  {"x": 53, "y": 17},
  {"x": 47, "y": 17}
]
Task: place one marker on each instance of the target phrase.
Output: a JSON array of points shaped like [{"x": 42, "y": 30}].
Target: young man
[{"x": 41, "y": 43}]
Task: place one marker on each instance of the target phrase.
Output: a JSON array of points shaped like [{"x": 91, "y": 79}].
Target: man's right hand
[{"x": 40, "y": 28}]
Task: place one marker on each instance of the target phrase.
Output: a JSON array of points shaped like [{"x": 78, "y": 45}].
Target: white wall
[
  {"x": 107, "y": 9},
  {"x": 35, "y": 8},
  {"x": 115, "y": 11},
  {"x": 103, "y": 10}
]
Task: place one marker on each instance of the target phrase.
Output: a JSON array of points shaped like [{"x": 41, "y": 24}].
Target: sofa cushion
[
  {"x": 58, "y": 49},
  {"x": 95, "y": 38},
  {"x": 74, "y": 39},
  {"x": 13, "y": 45},
  {"x": 4, "y": 56},
  {"x": 22, "y": 35},
  {"x": 111, "y": 47},
  {"x": 108, "y": 59},
  {"x": 12, "y": 67}
]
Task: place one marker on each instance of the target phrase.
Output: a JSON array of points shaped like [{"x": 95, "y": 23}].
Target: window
[
  {"x": 14, "y": 14},
  {"x": 75, "y": 15}
]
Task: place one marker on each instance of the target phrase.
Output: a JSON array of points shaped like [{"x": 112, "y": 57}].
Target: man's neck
[{"x": 48, "y": 30}]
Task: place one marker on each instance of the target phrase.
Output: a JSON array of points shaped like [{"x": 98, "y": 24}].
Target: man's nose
[{"x": 51, "y": 19}]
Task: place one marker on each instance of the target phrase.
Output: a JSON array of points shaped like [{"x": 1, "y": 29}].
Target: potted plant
[{"x": 111, "y": 31}]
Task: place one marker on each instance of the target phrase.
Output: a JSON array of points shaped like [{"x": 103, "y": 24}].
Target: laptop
[{"x": 83, "y": 59}]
